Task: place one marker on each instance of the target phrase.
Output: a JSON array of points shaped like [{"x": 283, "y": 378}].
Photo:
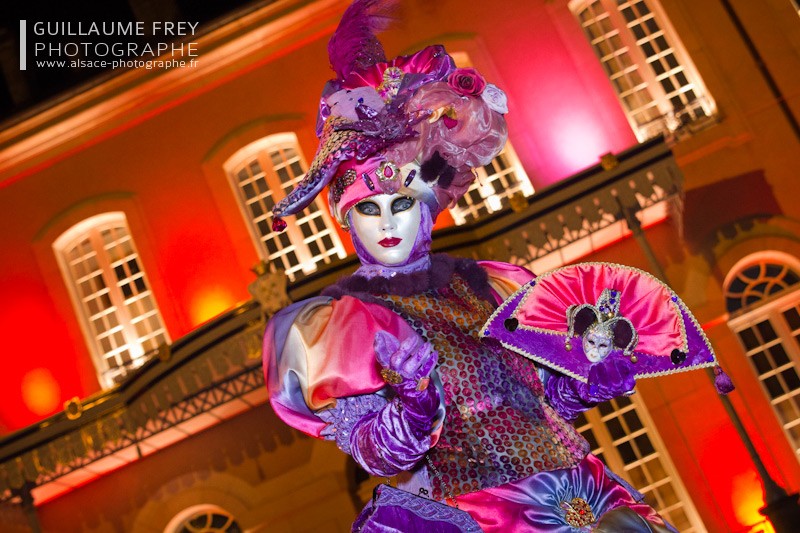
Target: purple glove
[
  {"x": 406, "y": 364},
  {"x": 406, "y": 368},
  {"x": 396, "y": 437},
  {"x": 607, "y": 380}
]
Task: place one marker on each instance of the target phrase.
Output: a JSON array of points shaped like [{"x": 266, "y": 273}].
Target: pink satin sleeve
[
  {"x": 322, "y": 349},
  {"x": 504, "y": 278}
]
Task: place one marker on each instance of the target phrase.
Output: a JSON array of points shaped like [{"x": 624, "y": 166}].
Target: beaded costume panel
[{"x": 498, "y": 427}]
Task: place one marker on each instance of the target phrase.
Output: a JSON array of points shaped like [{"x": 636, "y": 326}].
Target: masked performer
[{"x": 388, "y": 362}]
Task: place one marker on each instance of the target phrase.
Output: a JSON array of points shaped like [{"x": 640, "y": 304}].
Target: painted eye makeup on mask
[
  {"x": 402, "y": 204},
  {"x": 371, "y": 209}
]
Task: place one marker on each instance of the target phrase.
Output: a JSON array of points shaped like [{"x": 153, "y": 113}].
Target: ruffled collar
[{"x": 436, "y": 276}]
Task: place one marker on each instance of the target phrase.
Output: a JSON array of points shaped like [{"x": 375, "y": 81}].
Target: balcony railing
[{"x": 204, "y": 378}]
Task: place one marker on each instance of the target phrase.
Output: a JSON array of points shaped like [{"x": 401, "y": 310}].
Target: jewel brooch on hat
[{"x": 578, "y": 316}]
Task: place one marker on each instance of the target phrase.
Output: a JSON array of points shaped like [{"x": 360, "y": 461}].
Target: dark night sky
[
  {"x": 52, "y": 10},
  {"x": 43, "y": 83}
]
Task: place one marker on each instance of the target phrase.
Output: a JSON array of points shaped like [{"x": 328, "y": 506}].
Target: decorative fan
[{"x": 585, "y": 314}]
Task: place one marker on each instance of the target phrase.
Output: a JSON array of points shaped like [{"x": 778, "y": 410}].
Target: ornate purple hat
[{"x": 378, "y": 115}]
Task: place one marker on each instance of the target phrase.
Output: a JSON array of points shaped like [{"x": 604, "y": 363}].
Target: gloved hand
[
  {"x": 607, "y": 380},
  {"x": 406, "y": 368},
  {"x": 406, "y": 364}
]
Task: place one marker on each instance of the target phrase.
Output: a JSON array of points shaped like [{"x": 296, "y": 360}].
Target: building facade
[{"x": 139, "y": 265}]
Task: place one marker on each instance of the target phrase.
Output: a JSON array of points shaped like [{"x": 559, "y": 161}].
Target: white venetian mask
[
  {"x": 598, "y": 341},
  {"x": 387, "y": 226}
]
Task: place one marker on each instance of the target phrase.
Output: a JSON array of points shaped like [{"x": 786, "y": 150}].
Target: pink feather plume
[{"x": 354, "y": 44}]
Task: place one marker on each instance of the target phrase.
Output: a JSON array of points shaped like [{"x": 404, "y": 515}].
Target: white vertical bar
[{"x": 22, "y": 46}]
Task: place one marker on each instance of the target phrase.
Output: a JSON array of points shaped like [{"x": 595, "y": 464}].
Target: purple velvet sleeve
[
  {"x": 384, "y": 437},
  {"x": 607, "y": 380},
  {"x": 395, "y": 438},
  {"x": 561, "y": 392}
]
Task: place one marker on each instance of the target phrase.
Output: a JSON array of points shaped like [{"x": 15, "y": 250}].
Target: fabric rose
[
  {"x": 466, "y": 82},
  {"x": 495, "y": 98}
]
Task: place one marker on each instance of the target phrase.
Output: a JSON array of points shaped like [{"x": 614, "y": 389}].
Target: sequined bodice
[{"x": 498, "y": 427}]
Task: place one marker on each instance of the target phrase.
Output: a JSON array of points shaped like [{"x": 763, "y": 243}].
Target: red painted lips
[{"x": 390, "y": 242}]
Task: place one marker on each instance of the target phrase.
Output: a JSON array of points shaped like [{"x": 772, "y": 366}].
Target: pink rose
[{"x": 466, "y": 82}]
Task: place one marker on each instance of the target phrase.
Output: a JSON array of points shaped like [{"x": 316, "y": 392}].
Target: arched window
[
  {"x": 756, "y": 283},
  {"x": 263, "y": 173},
  {"x": 655, "y": 80},
  {"x": 496, "y": 183},
  {"x": 621, "y": 433},
  {"x": 118, "y": 313},
  {"x": 203, "y": 519},
  {"x": 763, "y": 295},
  {"x": 492, "y": 191}
]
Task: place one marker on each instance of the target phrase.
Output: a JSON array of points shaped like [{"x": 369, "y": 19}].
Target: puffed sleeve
[
  {"x": 323, "y": 378},
  {"x": 504, "y": 278},
  {"x": 321, "y": 349}
]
